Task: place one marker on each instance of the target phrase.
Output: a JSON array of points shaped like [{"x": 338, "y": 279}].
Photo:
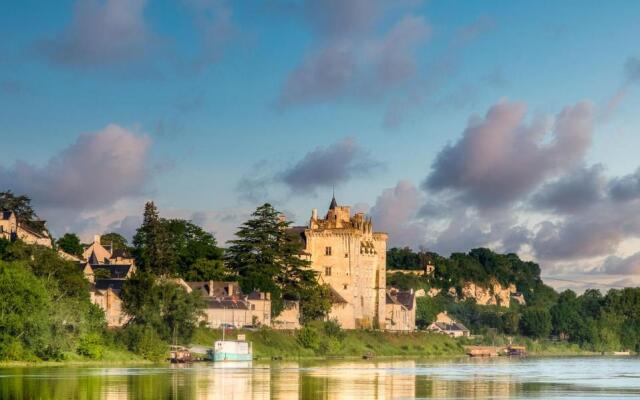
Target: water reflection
[{"x": 392, "y": 379}]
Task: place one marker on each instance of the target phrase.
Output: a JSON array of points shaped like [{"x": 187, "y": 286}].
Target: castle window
[
  {"x": 346, "y": 255},
  {"x": 327, "y": 251},
  {"x": 327, "y": 271},
  {"x": 345, "y": 286}
]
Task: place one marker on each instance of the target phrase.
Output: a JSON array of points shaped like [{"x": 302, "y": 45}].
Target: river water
[{"x": 496, "y": 378}]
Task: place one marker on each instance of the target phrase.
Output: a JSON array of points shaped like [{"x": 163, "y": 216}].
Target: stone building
[
  {"x": 400, "y": 311},
  {"x": 350, "y": 257},
  {"x": 225, "y": 304},
  {"x": 107, "y": 269},
  {"x": 34, "y": 232}
]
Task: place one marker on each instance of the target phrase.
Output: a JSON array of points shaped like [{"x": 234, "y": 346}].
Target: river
[{"x": 497, "y": 378}]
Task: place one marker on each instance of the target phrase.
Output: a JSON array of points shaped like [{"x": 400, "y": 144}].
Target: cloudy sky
[{"x": 512, "y": 125}]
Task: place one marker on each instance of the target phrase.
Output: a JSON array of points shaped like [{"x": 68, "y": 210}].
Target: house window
[
  {"x": 327, "y": 251},
  {"x": 327, "y": 271}
]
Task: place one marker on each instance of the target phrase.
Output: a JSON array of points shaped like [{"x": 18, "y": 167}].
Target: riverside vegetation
[{"x": 46, "y": 313}]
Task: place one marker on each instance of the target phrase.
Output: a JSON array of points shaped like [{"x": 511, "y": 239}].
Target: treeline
[
  {"x": 481, "y": 266},
  {"x": 596, "y": 322}
]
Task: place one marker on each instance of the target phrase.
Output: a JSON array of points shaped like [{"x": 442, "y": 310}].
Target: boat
[
  {"x": 513, "y": 350},
  {"x": 230, "y": 350},
  {"x": 180, "y": 354}
]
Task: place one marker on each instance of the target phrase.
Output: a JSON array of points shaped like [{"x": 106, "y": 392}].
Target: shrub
[
  {"x": 309, "y": 338},
  {"x": 145, "y": 341},
  {"x": 332, "y": 329},
  {"x": 90, "y": 346}
]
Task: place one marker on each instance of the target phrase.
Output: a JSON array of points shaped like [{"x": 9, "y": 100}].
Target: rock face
[{"x": 493, "y": 295}]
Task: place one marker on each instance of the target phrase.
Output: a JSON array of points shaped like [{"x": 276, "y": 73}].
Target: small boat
[
  {"x": 180, "y": 354},
  {"x": 622, "y": 353},
  {"x": 230, "y": 350},
  {"x": 513, "y": 350}
]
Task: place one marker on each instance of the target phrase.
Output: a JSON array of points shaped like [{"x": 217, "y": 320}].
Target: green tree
[
  {"x": 70, "y": 243},
  {"x": 151, "y": 242},
  {"x": 116, "y": 240},
  {"x": 161, "y": 304},
  {"x": 196, "y": 255},
  {"x": 24, "y": 310},
  {"x": 20, "y": 205},
  {"x": 265, "y": 256},
  {"x": 427, "y": 308},
  {"x": 536, "y": 322}
]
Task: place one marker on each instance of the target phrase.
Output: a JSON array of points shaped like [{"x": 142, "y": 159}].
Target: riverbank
[{"x": 316, "y": 343}]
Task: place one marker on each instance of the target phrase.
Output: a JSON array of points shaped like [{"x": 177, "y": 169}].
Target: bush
[
  {"x": 90, "y": 346},
  {"x": 309, "y": 338},
  {"x": 332, "y": 329},
  {"x": 145, "y": 341}
]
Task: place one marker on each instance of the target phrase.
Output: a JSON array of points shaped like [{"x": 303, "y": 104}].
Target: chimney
[
  {"x": 210, "y": 288},
  {"x": 314, "y": 214},
  {"x": 96, "y": 239}
]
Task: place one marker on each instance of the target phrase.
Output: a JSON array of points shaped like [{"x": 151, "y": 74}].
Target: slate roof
[
  {"x": 335, "y": 297},
  {"x": 456, "y": 326},
  {"x": 116, "y": 271},
  {"x": 114, "y": 284},
  {"x": 6, "y": 214},
  {"x": 120, "y": 253},
  {"x": 400, "y": 297},
  {"x": 333, "y": 204},
  {"x": 228, "y": 302}
]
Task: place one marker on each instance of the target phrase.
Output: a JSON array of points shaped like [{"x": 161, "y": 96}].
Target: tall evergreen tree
[
  {"x": 266, "y": 257},
  {"x": 152, "y": 247}
]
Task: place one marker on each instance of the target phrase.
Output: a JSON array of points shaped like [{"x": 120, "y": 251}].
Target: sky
[{"x": 453, "y": 124}]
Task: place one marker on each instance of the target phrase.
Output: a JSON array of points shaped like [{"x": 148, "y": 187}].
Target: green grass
[{"x": 272, "y": 343}]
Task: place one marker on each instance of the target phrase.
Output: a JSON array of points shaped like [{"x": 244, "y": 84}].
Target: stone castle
[{"x": 351, "y": 258}]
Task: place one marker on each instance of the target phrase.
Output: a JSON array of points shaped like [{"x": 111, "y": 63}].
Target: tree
[
  {"x": 70, "y": 243},
  {"x": 151, "y": 242},
  {"x": 266, "y": 257},
  {"x": 20, "y": 205},
  {"x": 116, "y": 240},
  {"x": 536, "y": 322},
  {"x": 24, "y": 309},
  {"x": 161, "y": 304},
  {"x": 427, "y": 308},
  {"x": 195, "y": 254}
]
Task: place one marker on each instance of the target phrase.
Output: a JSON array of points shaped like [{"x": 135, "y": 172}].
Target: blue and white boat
[{"x": 231, "y": 350}]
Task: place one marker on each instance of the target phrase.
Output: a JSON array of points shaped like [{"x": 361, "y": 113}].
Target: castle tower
[{"x": 350, "y": 257}]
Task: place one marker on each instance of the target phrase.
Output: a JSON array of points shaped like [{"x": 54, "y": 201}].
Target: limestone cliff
[{"x": 491, "y": 295}]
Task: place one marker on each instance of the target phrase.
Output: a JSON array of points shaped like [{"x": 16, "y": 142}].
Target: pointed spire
[{"x": 334, "y": 203}]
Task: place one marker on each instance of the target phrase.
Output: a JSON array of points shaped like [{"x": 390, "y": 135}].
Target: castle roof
[{"x": 333, "y": 204}]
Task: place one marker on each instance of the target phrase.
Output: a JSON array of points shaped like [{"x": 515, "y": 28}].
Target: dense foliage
[
  {"x": 45, "y": 310},
  {"x": 70, "y": 243},
  {"x": 176, "y": 247},
  {"x": 265, "y": 256}
]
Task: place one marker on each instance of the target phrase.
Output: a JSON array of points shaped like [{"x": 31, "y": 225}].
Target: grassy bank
[{"x": 289, "y": 344}]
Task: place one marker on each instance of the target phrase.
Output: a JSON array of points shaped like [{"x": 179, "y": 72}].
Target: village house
[
  {"x": 107, "y": 269},
  {"x": 400, "y": 311},
  {"x": 449, "y": 326},
  {"x": 351, "y": 258},
  {"x": 33, "y": 232},
  {"x": 226, "y": 305},
  {"x": 106, "y": 294}
]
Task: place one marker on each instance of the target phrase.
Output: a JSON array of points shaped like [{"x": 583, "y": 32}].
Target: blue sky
[{"x": 211, "y": 107}]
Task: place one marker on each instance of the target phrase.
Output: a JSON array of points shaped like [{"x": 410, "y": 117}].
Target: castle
[{"x": 351, "y": 258}]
